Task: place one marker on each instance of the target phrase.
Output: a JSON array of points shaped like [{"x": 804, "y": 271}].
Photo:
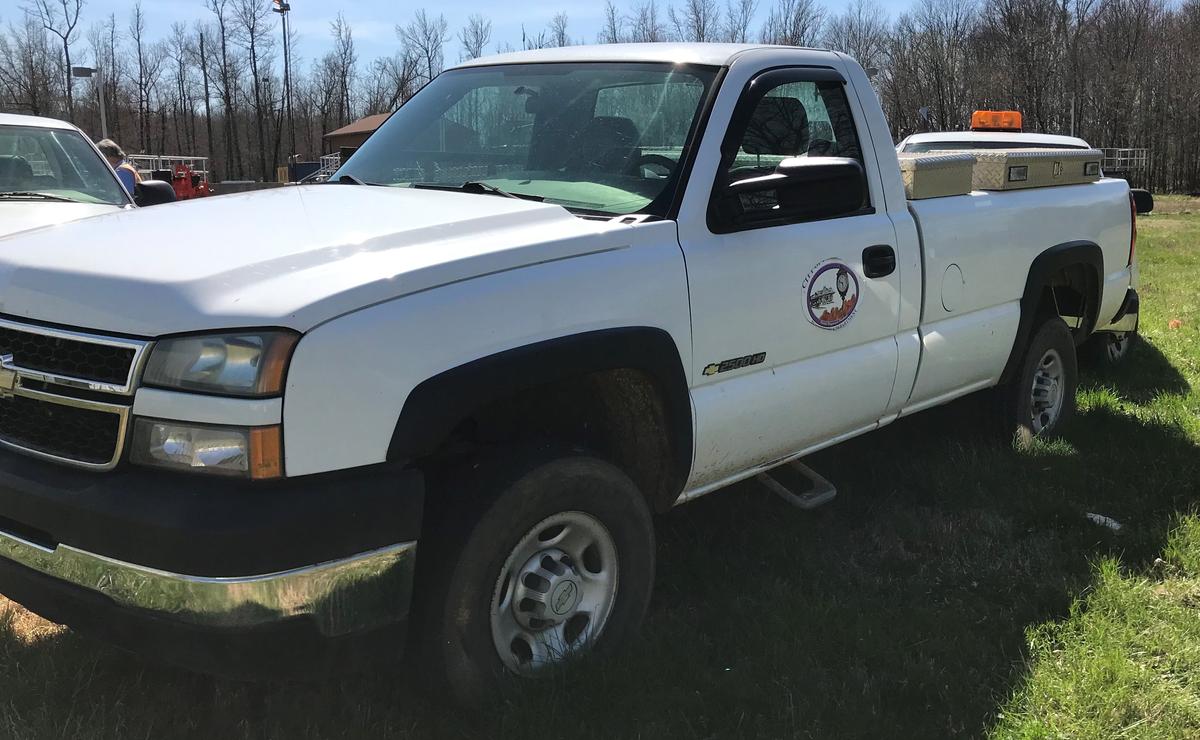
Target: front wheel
[
  {"x": 558, "y": 564},
  {"x": 1041, "y": 398}
]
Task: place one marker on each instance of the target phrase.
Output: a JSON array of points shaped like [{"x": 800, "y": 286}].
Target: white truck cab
[
  {"x": 555, "y": 292},
  {"x": 51, "y": 173}
]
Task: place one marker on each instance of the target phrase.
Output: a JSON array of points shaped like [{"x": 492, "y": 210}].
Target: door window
[{"x": 781, "y": 118}]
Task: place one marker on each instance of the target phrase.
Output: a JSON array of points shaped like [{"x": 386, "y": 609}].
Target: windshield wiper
[
  {"x": 475, "y": 186},
  {"x": 353, "y": 180},
  {"x": 39, "y": 196}
]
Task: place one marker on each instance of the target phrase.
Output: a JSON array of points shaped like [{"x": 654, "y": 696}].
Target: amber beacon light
[{"x": 996, "y": 120}]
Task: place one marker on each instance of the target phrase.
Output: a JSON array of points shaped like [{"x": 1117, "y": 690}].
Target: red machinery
[
  {"x": 189, "y": 183},
  {"x": 188, "y": 175}
]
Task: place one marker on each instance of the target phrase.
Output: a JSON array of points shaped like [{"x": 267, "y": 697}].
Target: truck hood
[
  {"x": 22, "y": 215},
  {"x": 295, "y": 256}
]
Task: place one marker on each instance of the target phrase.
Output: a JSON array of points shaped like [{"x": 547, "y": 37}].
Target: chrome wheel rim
[
  {"x": 1117, "y": 346},
  {"x": 1046, "y": 395},
  {"x": 555, "y": 592}
]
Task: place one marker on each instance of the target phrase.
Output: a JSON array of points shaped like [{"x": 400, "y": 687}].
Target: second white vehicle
[{"x": 51, "y": 173}]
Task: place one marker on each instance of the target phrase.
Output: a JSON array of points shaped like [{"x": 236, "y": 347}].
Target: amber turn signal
[{"x": 266, "y": 452}]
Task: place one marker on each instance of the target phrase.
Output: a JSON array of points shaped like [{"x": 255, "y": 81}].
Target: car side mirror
[
  {"x": 800, "y": 189},
  {"x": 1143, "y": 201},
  {"x": 153, "y": 193}
]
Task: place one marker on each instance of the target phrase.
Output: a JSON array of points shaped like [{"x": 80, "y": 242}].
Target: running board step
[{"x": 799, "y": 485}]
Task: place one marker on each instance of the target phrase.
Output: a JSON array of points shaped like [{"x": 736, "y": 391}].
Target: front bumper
[
  {"x": 293, "y": 578},
  {"x": 304, "y": 623}
]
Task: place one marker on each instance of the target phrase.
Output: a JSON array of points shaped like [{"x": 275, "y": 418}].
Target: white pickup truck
[{"x": 556, "y": 292}]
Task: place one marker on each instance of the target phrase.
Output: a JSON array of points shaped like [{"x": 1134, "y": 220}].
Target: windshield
[
  {"x": 953, "y": 146},
  {"x": 597, "y": 138},
  {"x": 55, "y": 162}
]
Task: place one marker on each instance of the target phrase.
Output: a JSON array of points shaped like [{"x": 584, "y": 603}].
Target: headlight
[
  {"x": 235, "y": 364},
  {"x": 248, "y": 452}
]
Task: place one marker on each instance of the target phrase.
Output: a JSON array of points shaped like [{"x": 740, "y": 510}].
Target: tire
[
  {"x": 554, "y": 560},
  {"x": 1027, "y": 411},
  {"x": 1109, "y": 347}
]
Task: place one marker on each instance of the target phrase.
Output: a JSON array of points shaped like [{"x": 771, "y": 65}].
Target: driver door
[{"x": 794, "y": 313}]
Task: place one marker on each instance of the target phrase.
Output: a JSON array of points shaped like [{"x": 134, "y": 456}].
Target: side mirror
[
  {"x": 801, "y": 188},
  {"x": 1143, "y": 201},
  {"x": 153, "y": 193}
]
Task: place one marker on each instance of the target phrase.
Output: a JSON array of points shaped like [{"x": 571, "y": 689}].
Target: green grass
[
  {"x": 1124, "y": 662},
  {"x": 953, "y": 588}
]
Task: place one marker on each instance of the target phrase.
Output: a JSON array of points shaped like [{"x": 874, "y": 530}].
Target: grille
[
  {"x": 64, "y": 431},
  {"x": 70, "y": 357}
]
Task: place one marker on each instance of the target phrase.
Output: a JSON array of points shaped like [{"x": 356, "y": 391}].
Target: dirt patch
[{"x": 26, "y": 626}]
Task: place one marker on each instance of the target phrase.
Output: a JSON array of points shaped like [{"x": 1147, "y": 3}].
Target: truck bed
[{"x": 976, "y": 252}]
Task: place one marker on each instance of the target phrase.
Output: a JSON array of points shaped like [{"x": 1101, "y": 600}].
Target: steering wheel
[{"x": 658, "y": 160}]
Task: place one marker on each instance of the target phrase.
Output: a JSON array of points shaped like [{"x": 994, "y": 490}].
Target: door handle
[{"x": 879, "y": 261}]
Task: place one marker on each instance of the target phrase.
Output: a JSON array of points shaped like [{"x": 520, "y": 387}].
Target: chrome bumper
[{"x": 368, "y": 590}]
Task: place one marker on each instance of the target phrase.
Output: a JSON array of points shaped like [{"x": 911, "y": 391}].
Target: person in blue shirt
[{"x": 126, "y": 172}]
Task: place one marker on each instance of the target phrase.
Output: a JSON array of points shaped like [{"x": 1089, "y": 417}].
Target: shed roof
[{"x": 364, "y": 125}]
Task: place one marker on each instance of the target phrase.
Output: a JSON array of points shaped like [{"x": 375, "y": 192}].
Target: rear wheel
[
  {"x": 1041, "y": 398},
  {"x": 555, "y": 563},
  {"x": 1109, "y": 347}
]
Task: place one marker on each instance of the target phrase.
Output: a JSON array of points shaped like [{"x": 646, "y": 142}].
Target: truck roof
[
  {"x": 718, "y": 55},
  {"x": 14, "y": 119},
  {"x": 1014, "y": 138}
]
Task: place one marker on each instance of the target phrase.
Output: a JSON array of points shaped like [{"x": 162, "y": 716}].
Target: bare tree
[
  {"x": 426, "y": 36},
  {"x": 148, "y": 58},
  {"x": 932, "y": 66},
  {"x": 558, "y": 30},
  {"x": 326, "y": 95},
  {"x": 861, "y": 30},
  {"x": 392, "y": 81},
  {"x": 541, "y": 41},
  {"x": 613, "y": 31},
  {"x": 475, "y": 36},
  {"x": 105, "y": 39},
  {"x": 226, "y": 79},
  {"x": 180, "y": 50},
  {"x": 26, "y": 75},
  {"x": 793, "y": 23},
  {"x": 60, "y": 18},
  {"x": 738, "y": 16},
  {"x": 1023, "y": 31},
  {"x": 254, "y": 35},
  {"x": 202, "y": 58},
  {"x": 345, "y": 59},
  {"x": 697, "y": 20},
  {"x": 646, "y": 25}
]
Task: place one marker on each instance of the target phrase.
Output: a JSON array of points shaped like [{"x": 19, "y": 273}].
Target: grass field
[{"x": 955, "y": 587}]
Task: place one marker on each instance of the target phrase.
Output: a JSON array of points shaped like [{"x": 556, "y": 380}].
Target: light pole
[
  {"x": 88, "y": 72},
  {"x": 283, "y": 7}
]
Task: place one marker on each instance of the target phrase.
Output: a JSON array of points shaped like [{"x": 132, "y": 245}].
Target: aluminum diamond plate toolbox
[
  {"x": 936, "y": 175},
  {"x": 1013, "y": 169}
]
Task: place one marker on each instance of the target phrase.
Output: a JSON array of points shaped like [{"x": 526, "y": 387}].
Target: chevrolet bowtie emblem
[{"x": 8, "y": 376}]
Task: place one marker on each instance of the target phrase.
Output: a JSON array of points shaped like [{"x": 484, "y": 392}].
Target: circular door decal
[{"x": 831, "y": 294}]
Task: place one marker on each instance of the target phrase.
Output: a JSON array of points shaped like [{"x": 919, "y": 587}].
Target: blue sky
[{"x": 374, "y": 21}]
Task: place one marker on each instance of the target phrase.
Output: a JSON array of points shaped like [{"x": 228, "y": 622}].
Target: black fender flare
[
  {"x": 438, "y": 404},
  {"x": 1044, "y": 266}
]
